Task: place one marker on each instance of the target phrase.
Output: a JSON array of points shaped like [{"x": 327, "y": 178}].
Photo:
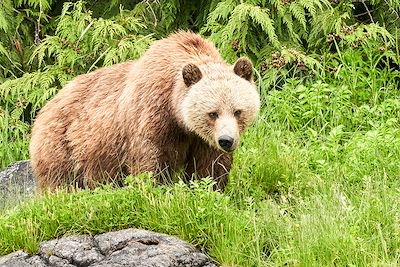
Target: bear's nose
[{"x": 225, "y": 142}]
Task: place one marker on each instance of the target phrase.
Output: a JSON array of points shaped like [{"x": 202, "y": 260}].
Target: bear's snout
[{"x": 226, "y": 142}]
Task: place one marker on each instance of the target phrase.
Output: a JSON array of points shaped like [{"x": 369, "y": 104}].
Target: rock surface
[
  {"x": 16, "y": 183},
  {"x": 130, "y": 247}
]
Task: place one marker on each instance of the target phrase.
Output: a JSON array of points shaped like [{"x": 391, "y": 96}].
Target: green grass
[
  {"x": 288, "y": 202},
  {"x": 314, "y": 183}
]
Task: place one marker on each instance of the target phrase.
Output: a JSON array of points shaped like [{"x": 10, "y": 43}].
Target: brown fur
[
  {"x": 243, "y": 68},
  {"x": 122, "y": 119},
  {"x": 191, "y": 74}
]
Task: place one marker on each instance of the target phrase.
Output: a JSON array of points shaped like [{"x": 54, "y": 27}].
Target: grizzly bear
[{"x": 178, "y": 107}]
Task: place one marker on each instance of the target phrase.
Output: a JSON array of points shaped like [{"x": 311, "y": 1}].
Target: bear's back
[{"x": 169, "y": 55}]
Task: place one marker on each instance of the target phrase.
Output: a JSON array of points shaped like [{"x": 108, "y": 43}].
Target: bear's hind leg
[{"x": 50, "y": 170}]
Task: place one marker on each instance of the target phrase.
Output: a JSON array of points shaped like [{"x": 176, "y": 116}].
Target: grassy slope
[{"x": 315, "y": 183}]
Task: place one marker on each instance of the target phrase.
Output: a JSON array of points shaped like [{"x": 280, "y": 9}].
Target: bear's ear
[
  {"x": 244, "y": 69},
  {"x": 191, "y": 74}
]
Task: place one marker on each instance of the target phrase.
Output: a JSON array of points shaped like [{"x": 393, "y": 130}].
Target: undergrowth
[{"x": 315, "y": 180}]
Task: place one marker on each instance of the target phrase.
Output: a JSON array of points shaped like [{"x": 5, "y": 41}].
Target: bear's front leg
[
  {"x": 204, "y": 161},
  {"x": 148, "y": 156}
]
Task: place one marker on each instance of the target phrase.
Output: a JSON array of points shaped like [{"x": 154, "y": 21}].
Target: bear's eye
[
  {"x": 238, "y": 113},
  {"x": 213, "y": 115}
]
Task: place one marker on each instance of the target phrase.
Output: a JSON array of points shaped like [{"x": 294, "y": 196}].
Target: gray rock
[
  {"x": 16, "y": 183},
  {"x": 130, "y": 247},
  {"x": 21, "y": 259}
]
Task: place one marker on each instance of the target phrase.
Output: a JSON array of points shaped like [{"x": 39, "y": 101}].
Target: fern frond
[
  {"x": 298, "y": 13},
  {"x": 261, "y": 17},
  {"x": 5, "y": 15}
]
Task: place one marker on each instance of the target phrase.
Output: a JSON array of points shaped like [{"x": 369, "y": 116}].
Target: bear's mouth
[{"x": 226, "y": 151}]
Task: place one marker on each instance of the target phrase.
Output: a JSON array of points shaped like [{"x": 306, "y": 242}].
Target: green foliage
[
  {"x": 257, "y": 27},
  {"x": 80, "y": 44},
  {"x": 386, "y": 12},
  {"x": 20, "y": 99},
  {"x": 322, "y": 159},
  {"x": 109, "y": 209},
  {"x": 89, "y": 42}
]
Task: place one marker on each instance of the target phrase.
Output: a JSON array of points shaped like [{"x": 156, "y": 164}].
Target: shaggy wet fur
[{"x": 127, "y": 119}]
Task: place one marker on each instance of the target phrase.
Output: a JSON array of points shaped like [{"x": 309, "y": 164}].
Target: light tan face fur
[{"x": 220, "y": 105}]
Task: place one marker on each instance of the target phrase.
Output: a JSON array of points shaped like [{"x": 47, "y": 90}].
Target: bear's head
[{"x": 220, "y": 101}]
